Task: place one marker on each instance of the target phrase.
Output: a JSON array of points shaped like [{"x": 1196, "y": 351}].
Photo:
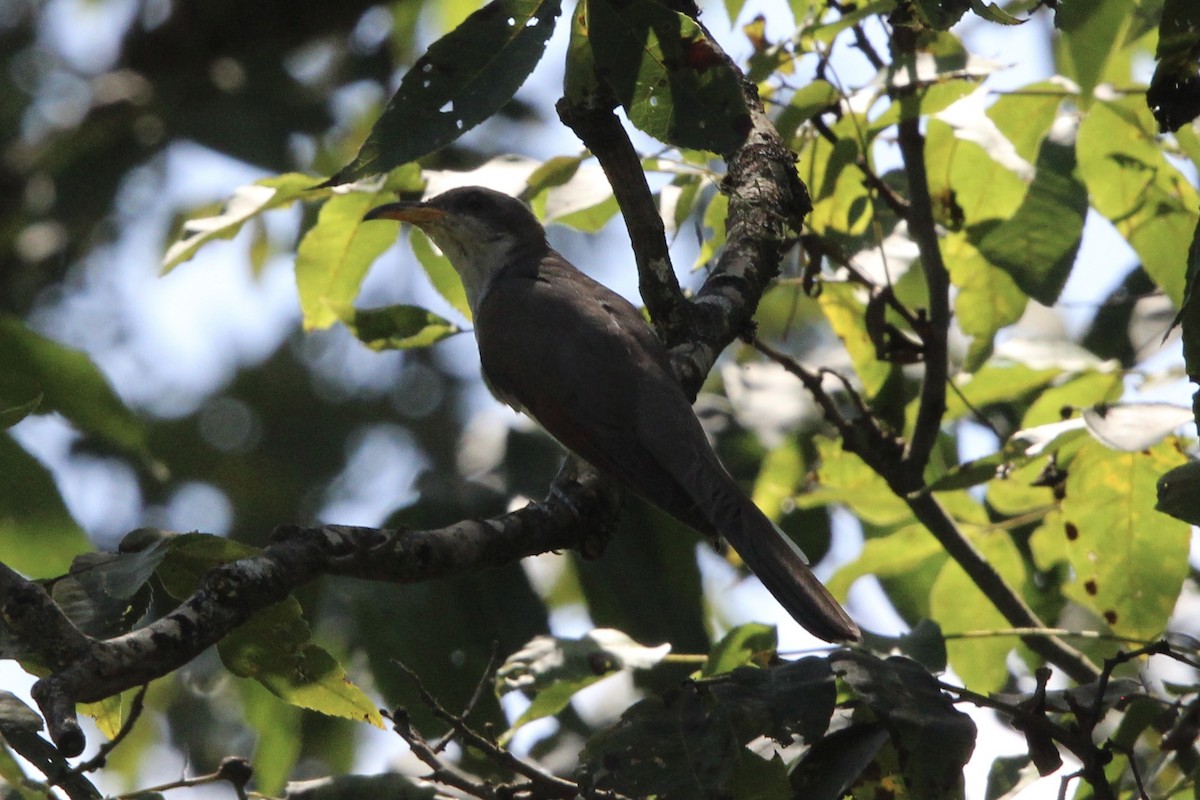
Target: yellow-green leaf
[
  {"x": 334, "y": 256},
  {"x": 1129, "y": 560}
]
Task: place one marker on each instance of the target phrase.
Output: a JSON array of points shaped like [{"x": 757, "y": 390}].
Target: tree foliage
[{"x": 879, "y": 233}]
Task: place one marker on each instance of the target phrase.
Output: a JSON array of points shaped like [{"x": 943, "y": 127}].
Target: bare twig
[
  {"x": 485, "y": 679},
  {"x": 442, "y": 771},
  {"x": 135, "y": 712},
  {"x": 547, "y": 785}
]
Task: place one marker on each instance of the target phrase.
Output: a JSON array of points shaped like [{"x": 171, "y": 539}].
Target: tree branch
[
  {"x": 932, "y": 407},
  {"x": 602, "y": 133},
  {"x": 583, "y": 512}
]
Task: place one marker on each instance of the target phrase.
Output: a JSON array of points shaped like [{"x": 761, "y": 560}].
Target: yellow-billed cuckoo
[{"x": 580, "y": 360}]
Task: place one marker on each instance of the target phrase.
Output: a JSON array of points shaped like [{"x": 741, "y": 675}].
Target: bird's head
[{"x": 481, "y": 231}]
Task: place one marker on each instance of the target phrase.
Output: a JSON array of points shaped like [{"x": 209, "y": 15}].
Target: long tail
[
  {"x": 771, "y": 556},
  {"x": 780, "y": 566}
]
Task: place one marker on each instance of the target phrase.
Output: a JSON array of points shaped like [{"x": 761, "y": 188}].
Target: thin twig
[
  {"x": 135, "y": 712},
  {"x": 551, "y": 785},
  {"x": 484, "y": 679},
  {"x": 443, "y": 772}
]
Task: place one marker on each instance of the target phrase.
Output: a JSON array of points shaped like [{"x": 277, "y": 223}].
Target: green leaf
[
  {"x": 844, "y": 307},
  {"x": 843, "y": 478},
  {"x": 1189, "y": 317},
  {"x": 246, "y": 203},
  {"x": 993, "y": 13},
  {"x": 999, "y": 382},
  {"x": 19, "y": 397},
  {"x": 333, "y": 258},
  {"x": 988, "y": 298},
  {"x": 463, "y": 78},
  {"x": 274, "y": 648},
  {"x": 897, "y": 554},
  {"x": 400, "y": 327},
  {"x": 1092, "y": 31},
  {"x": 933, "y": 738},
  {"x": 1179, "y": 493},
  {"x": 581, "y": 86},
  {"x": 715, "y": 215},
  {"x": 959, "y": 606},
  {"x": 779, "y": 476},
  {"x": 827, "y": 32},
  {"x": 752, "y": 644},
  {"x": 760, "y": 778},
  {"x": 190, "y": 556},
  {"x": 440, "y": 272},
  {"x": 277, "y": 744},
  {"x": 1131, "y": 182},
  {"x": 1129, "y": 560},
  {"x": 672, "y": 81},
  {"x": 805, "y": 104},
  {"x": 690, "y": 743},
  {"x": 70, "y": 384},
  {"x": 1037, "y": 245},
  {"x": 38, "y": 536},
  {"x": 551, "y": 670}
]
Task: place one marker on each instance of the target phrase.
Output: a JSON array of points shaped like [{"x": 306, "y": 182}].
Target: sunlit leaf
[
  {"x": 400, "y": 327},
  {"x": 274, "y": 647},
  {"x": 896, "y": 555},
  {"x": 333, "y": 257},
  {"x": 463, "y": 78},
  {"x": 845, "y": 310},
  {"x": 246, "y": 203},
  {"x": 1092, "y": 31},
  {"x": 1038, "y": 243},
  {"x": 960, "y": 606},
  {"x": 749, "y": 645},
  {"x": 440, "y": 271},
  {"x": 1129, "y": 560},
  {"x": 844, "y": 478},
  {"x": 1131, "y": 182},
  {"x": 780, "y": 475}
]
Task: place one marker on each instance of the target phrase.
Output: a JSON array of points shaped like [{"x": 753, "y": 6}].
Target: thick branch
[
  {"x": 602, "y": 133},
  {"x": 921, "y": 226},
  {"x": 31, "y": 617},
  {"x": 230, "y": 594}
]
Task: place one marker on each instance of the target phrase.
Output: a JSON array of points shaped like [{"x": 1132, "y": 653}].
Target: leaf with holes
[
  {"x": 464, "y": 78},
  {"x": 672, "y": 81}
]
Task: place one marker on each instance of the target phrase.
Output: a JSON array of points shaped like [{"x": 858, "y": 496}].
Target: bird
[{"x": 581, "y": 360}]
